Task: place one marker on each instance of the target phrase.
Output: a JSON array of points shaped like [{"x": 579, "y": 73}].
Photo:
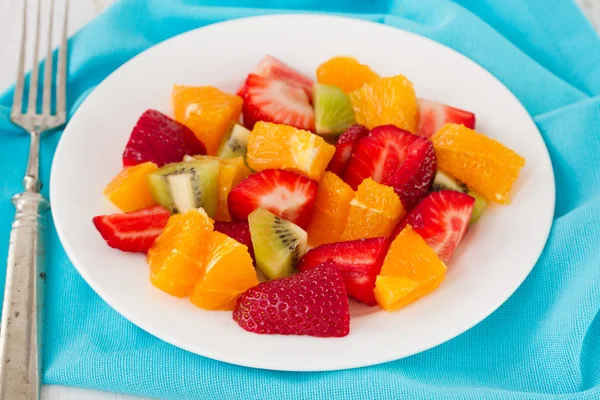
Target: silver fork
[{"x": 23, "y": 309}]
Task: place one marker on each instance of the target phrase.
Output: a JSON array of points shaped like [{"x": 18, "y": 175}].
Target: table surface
[{"x": 82, "y": 11}]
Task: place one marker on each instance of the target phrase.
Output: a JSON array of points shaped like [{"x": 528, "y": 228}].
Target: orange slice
[
  {"x": 177, "y": 258},
  {"x": 275, "y": 146},
  {"x": 129, "y": 190},
  {"x": 207, "y": 111},
  {"x": 346, "y": 73},
  {"x": 411, "y": 270},
  {"x": 374, "y": 212},
  {"x": 228, "y": 273},
  {"x": 482, "y": 163},
  {"x": 330, "y": 211},
  {"x": 386, "y": 101}
]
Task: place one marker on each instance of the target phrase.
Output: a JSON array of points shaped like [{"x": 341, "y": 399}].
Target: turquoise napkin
[{"x": 543, "y": 343}]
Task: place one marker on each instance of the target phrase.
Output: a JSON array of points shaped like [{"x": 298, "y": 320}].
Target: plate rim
[{"x": 332, "y": 365}]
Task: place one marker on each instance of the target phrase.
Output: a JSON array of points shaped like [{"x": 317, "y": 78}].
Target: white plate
[{"x": 495, "y": 257}]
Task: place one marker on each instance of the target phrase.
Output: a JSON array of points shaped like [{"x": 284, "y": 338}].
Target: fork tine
[
  {"x": 61, "y": 78},
  {"x": 20, "y": 85},
  {"x": 47, "y": 95},
  {"x": 35, "y": 71}
]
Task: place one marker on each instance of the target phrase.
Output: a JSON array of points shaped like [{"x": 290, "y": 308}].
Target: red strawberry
[
  {"x": 311, "y": 303},
  {"x": 441, "y": 219},
  {"x": 133, "y": 232},
  {"x": 343, "y": 148},
  {"x": 396, "y": 158},
  {"x": 237, "y": 230},
  {"x": 286, "y": 194},
  {"x": 273, "y": 68},
  {"x": 273, "y": 100},
  {"x": 359, "y": 261},
  {"x": 160, "y": 139},
  {"x": 433, "y": 115}
]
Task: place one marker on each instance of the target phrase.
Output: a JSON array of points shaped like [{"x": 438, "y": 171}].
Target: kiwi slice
[
  {"x": 444, "y": 181},
  {"x": 234, "y": 142},
  {"x": 333, "y": 109},
  {"x": 278, "y": 244},
  {"x": 183, "y": 186}
]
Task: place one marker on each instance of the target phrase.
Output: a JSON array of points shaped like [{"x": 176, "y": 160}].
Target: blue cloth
[{"x": 543, "y": 343}]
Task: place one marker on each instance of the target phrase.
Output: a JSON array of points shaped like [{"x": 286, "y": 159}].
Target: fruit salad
[{"x": 290, "y": 199}]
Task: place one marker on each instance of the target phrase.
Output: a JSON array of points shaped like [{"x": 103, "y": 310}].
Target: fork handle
[{"x": 23, "y": 310}]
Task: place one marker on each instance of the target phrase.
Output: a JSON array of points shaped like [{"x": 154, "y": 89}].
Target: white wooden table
[{"x": 81, "y": 11}]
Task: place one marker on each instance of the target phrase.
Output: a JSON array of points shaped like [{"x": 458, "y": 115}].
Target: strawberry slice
[
  {"x": 273, "y": 100},
  {"x": 344, "y": 146},
  {"x": 271, "y": 67},
  {"x": 238, "y": 230},
  {"x": 396, "y": 158},
  {"x": 433, "y": 115},
  {"x": 133, "y": 232},
  {"x": 441, "y": 219},
  {"x": 161, "y": 140},
  {"x": 286, "y": 194},
  {"x": 311, "y": 303},
  {"x": 359, "y": 261}
]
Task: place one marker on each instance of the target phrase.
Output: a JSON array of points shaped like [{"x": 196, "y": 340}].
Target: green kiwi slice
[
  {"x": 234, "y": 142},
  {"x": 444, "y": 181},
  {"x": 278, "y": 244},
  {"x": 183, "y": 186},
  {"x": 333, "y": 109}
]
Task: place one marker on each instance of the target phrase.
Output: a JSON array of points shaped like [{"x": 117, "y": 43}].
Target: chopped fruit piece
[
  {"x": 285, "y": 194},
  {"x": 374, "y": 212},
  {"x": 343, "y": 148},
  {"x": 271, "y": 67},
  {"x": 238, "y": 230},
  {"x": 161, "y": 140},
  {"x": 333, "y": 110},
  {"x": 441, "y": 219},
  {"x": 433, "y": 115},
  {"x": 273, "y": 146},
  {"x": 346, "y": 73},
  {"x": 207, "y": 111},
  {"x": 133, "y": 232},
  {"x": 177, "y": 258},
  {"x": 330, "y": 211},
  {"x": 359, "y": 261},
  {"x": 444, "y": 181},
  {"x": 184, "y": 186},
  {"x": 129, "y": 189},
  {"x": 395, "y": 158},
  {"x": 482, "y": 163},
  {"x": 273, "y": 100},
  {"x": 312, "y": 303},
  {"x": 278, "y": 244},
  {"x": 232, "y": 172},
  {"x": 228, "y": 273},
  {"x": 410, "y": 270},
  {"x": 234, "y": 143},
  {"x": 386, "y": 101}
]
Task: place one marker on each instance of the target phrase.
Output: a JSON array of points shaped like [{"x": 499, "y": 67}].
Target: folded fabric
[{"x": 543, "y": 343}]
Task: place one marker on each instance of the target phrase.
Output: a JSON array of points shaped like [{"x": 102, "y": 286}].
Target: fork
[{"x": 23, "y": 309}]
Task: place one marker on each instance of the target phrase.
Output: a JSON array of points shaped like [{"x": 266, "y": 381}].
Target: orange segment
[
  {"x": 129, "y": 190},
  {"x": 228, "y": 273},
  {"x": 232, "y": 172},
  {"x": 275, "y": 146},
  {"x": 374, "y": 212},
  {"x": 178, "y": 256},
  {"x": 330, "y": 211},
  {"x": 482, "y": 163},
  {"x": 411, "y": 270},
  {"x": 386, "y": 101},
  {"x": 207, "y": 111},
  {"x": 346, "y": 73}
]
